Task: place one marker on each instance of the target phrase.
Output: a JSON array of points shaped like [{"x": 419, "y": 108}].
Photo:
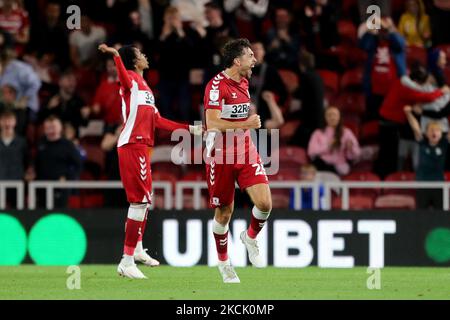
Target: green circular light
[
  {"x": 13, "y": 241},
  {"x": 437, "y": 245},
  {"x": 57, "y": 239}
]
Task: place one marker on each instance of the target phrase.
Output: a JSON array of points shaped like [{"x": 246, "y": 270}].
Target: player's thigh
[
  {"x": 134, "y": 166},
  {"x": 260, "y": 196},
  {"x": 221, "y": 184}
]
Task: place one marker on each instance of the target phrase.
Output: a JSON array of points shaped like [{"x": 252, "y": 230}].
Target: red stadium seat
[
  {"x": 369, "y": 132},
  {"x": 363, "y": 176},
  {"x": 352, "y": 122},
  {"x": 290, "y": 79},
  {"x": 352, "y": 80},
  {"x": 330, "y": 80},
  {"x": 347, "y": 31},
  {"x": 395, "y": 201},
  {"x": 292, "y": 157},
  {"x": 351, "y": 102},
  {"x": 414, "y": 54},
  {"x": 356, "y": 202},
  {"x": 447, "y": 176},
  {"x": 401, "y": 176}
]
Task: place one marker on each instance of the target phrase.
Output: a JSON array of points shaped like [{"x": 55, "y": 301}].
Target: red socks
[
  {"x": 257, "y": 222},
  {"x": 133, "y": 227}
]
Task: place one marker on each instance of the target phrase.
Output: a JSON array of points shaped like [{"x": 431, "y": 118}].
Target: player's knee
[
  {"x": 223, "y": 214},
  {"x": 265, "y": 205}
]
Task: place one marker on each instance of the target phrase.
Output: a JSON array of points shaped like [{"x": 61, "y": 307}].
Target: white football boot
[
  {"x": 130, "y": 270},
  {"x": 144, "y": 258},
  {"x": 253, "y": 250},
  {"x": 227, "y": 272}
]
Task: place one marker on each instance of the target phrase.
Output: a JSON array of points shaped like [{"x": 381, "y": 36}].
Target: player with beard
[{"x": 232, "y": 156}]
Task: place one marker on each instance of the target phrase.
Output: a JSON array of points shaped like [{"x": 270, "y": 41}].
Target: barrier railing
[
  {"x": 50, "y": 186},
  {"x": 197, "y": 186},
  {"x": 19, "y": 186}
]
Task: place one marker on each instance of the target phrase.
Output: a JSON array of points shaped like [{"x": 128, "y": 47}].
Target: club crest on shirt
[{"x": 214, "y": 95}]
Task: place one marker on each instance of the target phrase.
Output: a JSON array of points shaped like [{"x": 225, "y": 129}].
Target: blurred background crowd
[{"x": 335, "y": 89}]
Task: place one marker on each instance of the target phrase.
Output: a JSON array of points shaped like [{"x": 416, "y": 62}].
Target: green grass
[{"x": 102, "y": 282}]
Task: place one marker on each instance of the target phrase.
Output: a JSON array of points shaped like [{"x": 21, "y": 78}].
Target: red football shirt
[
  {"x": 233, "y": 100},
  {"x": 139, "y": 113}
]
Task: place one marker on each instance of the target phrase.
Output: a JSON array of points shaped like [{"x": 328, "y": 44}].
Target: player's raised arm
[
  {"x": 122, "y": 73},
  {"x": 213, "y": 121}
]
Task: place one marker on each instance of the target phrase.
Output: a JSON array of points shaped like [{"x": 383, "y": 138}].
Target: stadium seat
[
  {"x": 356, "y": 202},
  {"x": 447, "y": 176},
  {"x": 292, "y": 156},
  {"x": 401, "y": 176},
  {"x": 330, "y": 80},
  {"x": 395, "y": 201},
  {"x": 352, "y": 80},
  {"x": 95, "y": 155},
  {"x": 352, "y": 122},
  {"x": 280, "y": 200},
  {"x": 347, "y": 31},
  {"x": 351, "y": 102},
  {"x": 369, "y": 132},
  {"x": 363, "y": 176},
  {"x": 414, "y": 54},
  {"x": 290, "y": 79}
]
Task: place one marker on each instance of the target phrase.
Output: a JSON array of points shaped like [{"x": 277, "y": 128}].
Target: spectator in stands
[
  {"x": 66, "y": 104},
  {"x": 24, "y": 79},
  {"x": 9, "y": 102},
  {"x": 191, "y": 11},
  {"x": 49, "y": 37},
  {"x": 310, "y": 97},
  {"x": 84, "y": 42},
  {"x": 333, "y": 146},
  {"x": 414, "y": 24},
  {"x": 250, "y": 12},
  {"x": 437, "y": 62},
  {"x": 283, "y": 41},
  {"x": 308, "y": 174},
  {"x": 319, "y": 24},
  {"x": 105, "y": 105},
  {"x": 218, "y": 32},
  {"x": 267, "y": 90},
  {"x": 114, "y": 197},
  {"x": 440, "y": 20},
  {"x": 13, "y": 149},
  {"x": 393, "y": 124},
  {"x": 70, "y": 133},
  {"x": 14, "y": 20},
  {"x": 57, "y": 159},
  {"x": 433, "y": 147},
  {"x": 173, "y": 71},
  {"x": 386, "y": 62},
  {"x": 14, "y": 153}
]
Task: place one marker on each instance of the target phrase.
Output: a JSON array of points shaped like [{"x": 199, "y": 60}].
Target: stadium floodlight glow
[
  {"x": 437, "y": 245},
  {"x": 57, "y": 239},
  {"x": 13, "y": 241}
]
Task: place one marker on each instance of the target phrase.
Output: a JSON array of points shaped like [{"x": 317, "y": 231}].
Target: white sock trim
[
  {"x": 218, "y": 228},
  {"x": 260, "y": 215},
  {"x": 137, "y": 212}
]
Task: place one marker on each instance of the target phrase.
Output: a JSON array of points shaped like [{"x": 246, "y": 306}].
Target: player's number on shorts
[{"x": 259, "y": 169}]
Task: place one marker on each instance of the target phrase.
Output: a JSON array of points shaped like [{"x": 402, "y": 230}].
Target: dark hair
[
  {"x": 418, "y": 73},
  {"x": 212, "y": 5},
  {"x": 7, "y": 114},
  {"x": 52, "y": 118},
  {"x": 306, "y": 59},
  {"x": 338, "y": 132},
  {"x": 234, "y": 49},
  {"x": 128, "y": 56}
]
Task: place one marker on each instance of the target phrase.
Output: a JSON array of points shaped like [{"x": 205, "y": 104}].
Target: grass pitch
[{"x": 164, "y": 283}]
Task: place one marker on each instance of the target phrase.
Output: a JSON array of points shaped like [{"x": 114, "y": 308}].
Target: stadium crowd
[{"x": 336, "y": 89}]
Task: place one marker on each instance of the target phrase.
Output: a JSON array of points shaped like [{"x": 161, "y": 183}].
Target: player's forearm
[
  {"x": 169, "y": 125},
  {"x": 122, "y": 73},
  {"x": 224, "y": 125}
]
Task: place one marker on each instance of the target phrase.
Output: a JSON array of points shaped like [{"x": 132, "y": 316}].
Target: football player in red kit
[
  {"x": 227, "y": 107},
  {"x": 140, "y": 118}
]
